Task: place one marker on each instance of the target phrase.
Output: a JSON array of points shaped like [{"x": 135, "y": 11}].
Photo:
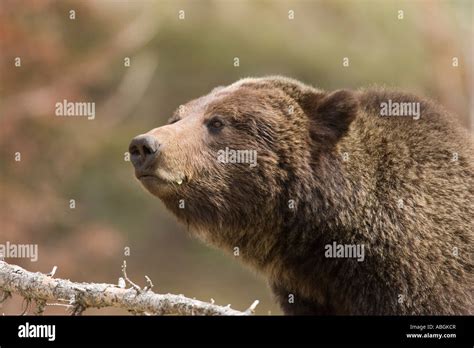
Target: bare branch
[
  {"x": 41, "y": 288},
  {"x": 124, "y": 271},
  {"x": 149, "y": 284},
  {"x": 252, "y": 307}
]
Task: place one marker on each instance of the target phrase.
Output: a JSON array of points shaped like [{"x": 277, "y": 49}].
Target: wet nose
[{"x": 144, "y": 149}]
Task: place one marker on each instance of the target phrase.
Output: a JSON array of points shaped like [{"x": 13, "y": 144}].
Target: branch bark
[{"x": 41, "y": 288}]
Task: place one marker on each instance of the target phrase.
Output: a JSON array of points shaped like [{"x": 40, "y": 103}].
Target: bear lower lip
[
  {"x": 157, "y": 186},
  {"x": 148, "y": 177},
  {"x": 151, "y": 178}
]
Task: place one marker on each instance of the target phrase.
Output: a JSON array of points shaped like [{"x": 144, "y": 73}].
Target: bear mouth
[
  {"x": 157, "y": 186},
  {"x": 152, "y": 178}
]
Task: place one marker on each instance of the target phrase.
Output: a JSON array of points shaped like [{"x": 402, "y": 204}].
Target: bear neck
[
  {"x": 311, "y": 211},
  {"x": 321, "y": 214}
]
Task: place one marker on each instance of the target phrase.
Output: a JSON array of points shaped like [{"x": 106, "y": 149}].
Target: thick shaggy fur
[{"x": 330, "y": 169}]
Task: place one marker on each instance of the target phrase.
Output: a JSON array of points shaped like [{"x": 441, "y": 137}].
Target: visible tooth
[{"x": 179, "y": 181}]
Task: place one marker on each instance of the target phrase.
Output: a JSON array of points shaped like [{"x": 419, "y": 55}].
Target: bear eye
[{"x": 215, "y": 124}]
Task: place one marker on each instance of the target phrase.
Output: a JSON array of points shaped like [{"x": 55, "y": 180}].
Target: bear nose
[{"x": 144, "y": 149}]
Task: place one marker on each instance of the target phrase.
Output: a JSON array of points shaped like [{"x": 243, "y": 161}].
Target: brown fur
[{"x": 300, "y": 134}]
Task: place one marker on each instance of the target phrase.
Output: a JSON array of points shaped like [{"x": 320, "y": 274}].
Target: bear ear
[{"x": 331, "y": 115}]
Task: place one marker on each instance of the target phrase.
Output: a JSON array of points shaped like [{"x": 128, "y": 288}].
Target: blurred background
[{"x": 176, "y": 56}]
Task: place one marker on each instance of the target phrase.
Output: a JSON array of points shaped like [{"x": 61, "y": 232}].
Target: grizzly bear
[{"x": 349, "y": 202}]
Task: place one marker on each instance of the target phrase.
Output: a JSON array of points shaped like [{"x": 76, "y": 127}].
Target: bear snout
[{"x": 144, "y": 151}]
